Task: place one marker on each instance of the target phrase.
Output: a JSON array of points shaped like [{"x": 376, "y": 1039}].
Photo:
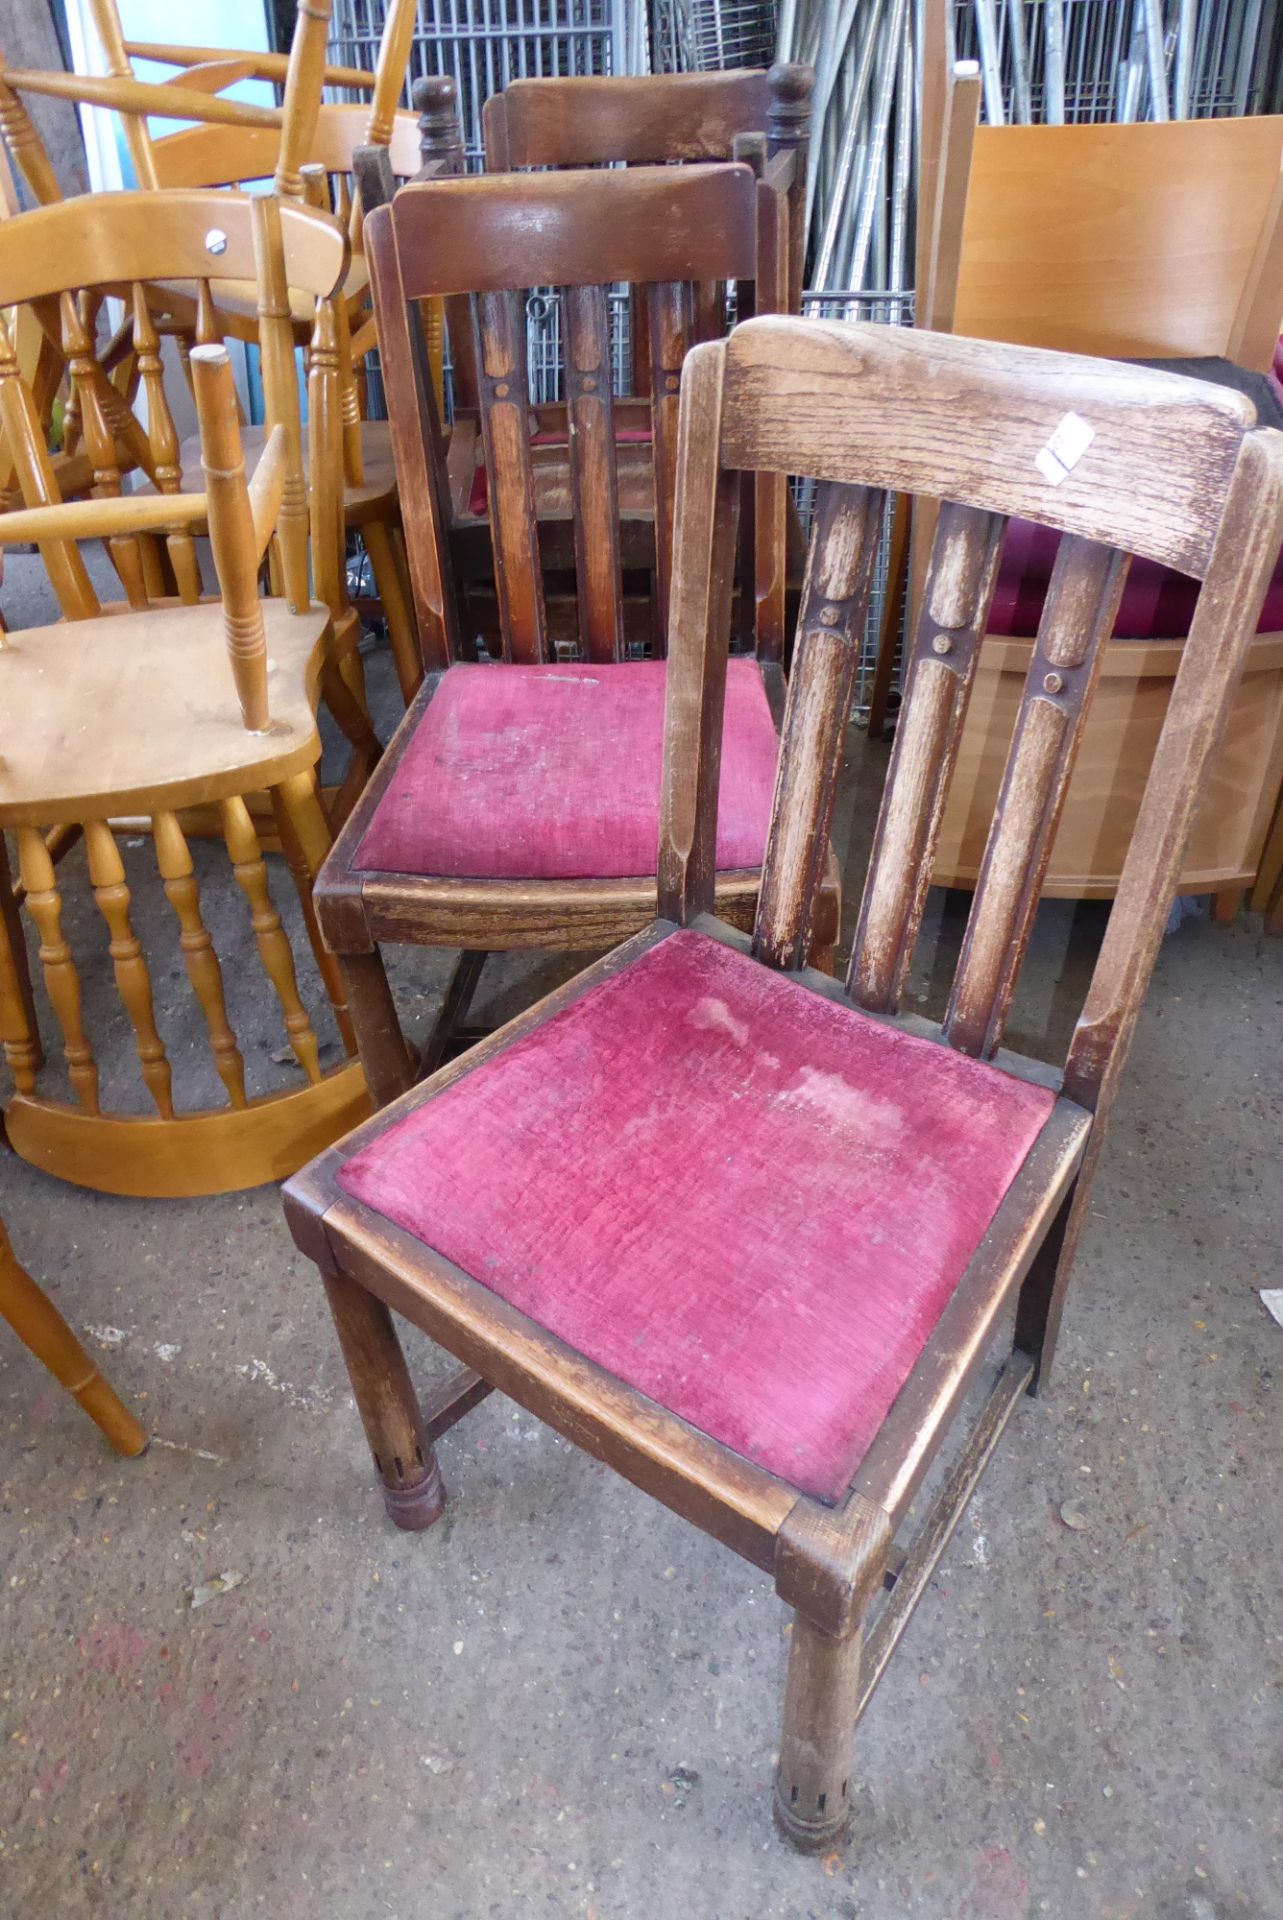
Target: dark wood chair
[
  {"x": 517, "y": 805},
  {"x": 653, "y": 119},
  {"x": 746, "y": 1234}
]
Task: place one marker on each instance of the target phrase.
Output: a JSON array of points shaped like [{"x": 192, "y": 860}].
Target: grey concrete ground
[{"x": 564, "y": 1701}]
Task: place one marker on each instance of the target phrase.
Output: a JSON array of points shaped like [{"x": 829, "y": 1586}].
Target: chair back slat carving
[
  {"x": 835, "y": 602},
  {"x": 1078, "y": 618},
  {"x": 590, "y": 417},
  {"x": 661, "y": 229},
  {"x": 966, "y": 423},
  {"x": 960, "y": 581},
  {"x": 499, "y": 327}
]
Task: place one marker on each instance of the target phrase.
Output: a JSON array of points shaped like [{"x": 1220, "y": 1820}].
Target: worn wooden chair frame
[
  {"x": 738, "y": 231},
  {"x": 1175, "y": 472}
]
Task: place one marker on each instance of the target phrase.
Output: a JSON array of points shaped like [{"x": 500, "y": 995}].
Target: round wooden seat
[{"x": 97, "y": 723}]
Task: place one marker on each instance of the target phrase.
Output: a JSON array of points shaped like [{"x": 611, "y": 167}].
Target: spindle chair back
[
  {"x": 176, "y": 714},
  {"x": 780, "y": 1358}
]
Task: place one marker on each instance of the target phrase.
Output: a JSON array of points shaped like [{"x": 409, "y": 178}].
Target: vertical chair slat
[
  {"x": 305, "y": 839},
  {"x": 25, "y": 446},
  {"x": 19, "y": 1032},
  {"x": 499, "y": 321},
  {"x": 1077, "y": 619},
  {"x": 955, "y": 604},
  {"x": 590, "y": 415},
  {"x": 100, "y": 443},
  {"x": 669, "y": 304},
  {"x": 274, "y": 951},
  {"x": 62, "y": 982},
  {"x": 182, "y": 890},
  {"x": 834, "y": 605},
  {"x": 133, "y": 981},
  {"x": 163, "y": 435}
]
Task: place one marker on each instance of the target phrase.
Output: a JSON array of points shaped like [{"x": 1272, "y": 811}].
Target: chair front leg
[
  {"x": 821, "y": 1701},
  {"x": 404, "y": 1458}
]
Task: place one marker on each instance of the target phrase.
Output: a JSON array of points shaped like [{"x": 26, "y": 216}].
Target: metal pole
[
  {"x": 1152, "y": 14},
  {"x": 880, "y": 122},
  {"x": 1184, "y": 57},
  {"x": 840, "y": 184},
  {"x": 990, "y": 73},
  {"x": 1055, "y": 28},
  {"x": 1022, "y": 103}
]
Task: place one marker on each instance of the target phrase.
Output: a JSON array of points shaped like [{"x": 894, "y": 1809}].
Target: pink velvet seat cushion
[
  {"x": 747, "y": 1202},
  {"x": 553, "y": 773},
  {"x": 1157, "y": 604}
]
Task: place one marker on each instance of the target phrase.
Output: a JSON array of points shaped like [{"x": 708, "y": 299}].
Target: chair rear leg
[
  {"x": 404, "y": 1458},
  {"x": 821, "y": 1704},
  {"x": 385, "y": 1057}
]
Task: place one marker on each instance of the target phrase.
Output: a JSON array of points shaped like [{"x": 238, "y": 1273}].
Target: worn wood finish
[
  {"x": 886, "y": 426},
  {"x": 500, "y": 328},
  {"x": 591, "y": 420},
  {"x": 42, "y": 1329}
]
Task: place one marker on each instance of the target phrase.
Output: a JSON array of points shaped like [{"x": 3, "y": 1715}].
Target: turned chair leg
[
  {"x": 385, "y": 1057},
  {"x": 41, "y": 1328},
  {"x": 404, "y": 1458},
  {"x": 821, "y": 1702}
]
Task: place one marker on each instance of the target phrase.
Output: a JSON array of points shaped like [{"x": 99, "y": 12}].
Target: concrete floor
[{"x": 563, "y": 1700}]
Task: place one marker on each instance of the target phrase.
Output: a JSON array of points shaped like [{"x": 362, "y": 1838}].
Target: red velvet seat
[
  {"x": 1157, "y": 603},
  {"x": 746, "y": 1201},
  {"x": 553, "y": 773}
]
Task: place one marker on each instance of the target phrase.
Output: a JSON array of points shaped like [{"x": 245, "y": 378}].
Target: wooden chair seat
[
  {"x": 779, "y": 1317},
  {"x": 553, "y": 773},
  {"x": 370, "y": 497},
  {"x": 72, "y": 697}
]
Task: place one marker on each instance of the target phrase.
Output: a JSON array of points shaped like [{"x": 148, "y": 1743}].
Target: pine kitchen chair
[
  {"x": 746, "y": 1234},
  {"x": 517, "y": 804},
  {"x": 42, "y": 1329},
  {"x": 159, "y": 715}
]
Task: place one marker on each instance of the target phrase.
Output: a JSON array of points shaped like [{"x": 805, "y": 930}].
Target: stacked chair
[{"x": 745, "y": 1231}]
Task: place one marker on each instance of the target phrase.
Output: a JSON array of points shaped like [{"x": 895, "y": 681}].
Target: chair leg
[
  {"x": 821, "y": 1704},
  {"x": 404, "y": 1458},
  {"x": 1227, "y": 905},
  {"x": 380, "y": 1042},
  {"x": 389, "y": 577},
  {"x": 41, "y": 1328}
]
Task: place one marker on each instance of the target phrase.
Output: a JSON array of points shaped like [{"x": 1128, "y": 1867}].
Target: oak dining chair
[
  {"x": 155, "y": 718},
  {"x": 745, "y": 1233},
  {"x": 42, "y": 1329},
  {"x": 516, "y": 806}
]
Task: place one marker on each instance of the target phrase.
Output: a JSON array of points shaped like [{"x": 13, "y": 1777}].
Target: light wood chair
[
  {"x": 747, "y": 1234},
  {"x": 42, "y": 1329},
  {"x": 517, "y": 804},
  {"x": 158, "y": 716},
  {"x": 1145, "y": 241},
  {"x": 284, "y": 146}
]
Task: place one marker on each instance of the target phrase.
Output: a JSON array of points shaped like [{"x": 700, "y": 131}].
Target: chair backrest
[
  {"x": 241, "y": 519},
  {"x": 165, "y": 254},
  {"x": 211, "y": 156},
  {"x": 491, "y": 238},
  {"x": 650, "y": 119},
  {"x": 1143, "y": 241},
  {"x": 1121, "y": 461}
]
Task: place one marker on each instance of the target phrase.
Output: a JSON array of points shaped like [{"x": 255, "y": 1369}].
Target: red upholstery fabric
[
  {"x": 479, "y": 495},
  {"x": 1157, "y": 604},
  {"x": 747, "y": 1202},
  {"x": 553, "y": 773}
]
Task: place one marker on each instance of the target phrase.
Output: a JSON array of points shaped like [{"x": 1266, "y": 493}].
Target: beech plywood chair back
[
  {"x": 1143, "y": 241},
  {"x": 1120, "y": 461},
  {"x": 581, "y": 232}
]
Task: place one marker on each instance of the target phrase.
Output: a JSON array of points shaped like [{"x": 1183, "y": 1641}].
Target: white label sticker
[{"x": 1066, "y": 447}]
